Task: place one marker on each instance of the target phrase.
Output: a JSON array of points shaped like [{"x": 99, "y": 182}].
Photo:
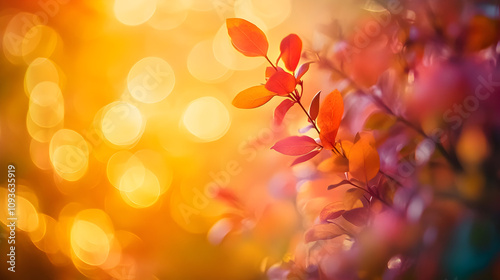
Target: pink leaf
[
  {"x": 281, "y": 110},
  {"x": 302, "y": 70},
  {"x": 295, "y": 145},
  {"x": 305, "y": 157},
  {"x": 219, "y": 231},
  {"x": 314, "y": 107},
  {"x": 306, "y": 128}
]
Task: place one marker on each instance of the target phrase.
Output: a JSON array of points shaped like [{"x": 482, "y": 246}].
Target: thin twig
[
  {"x": 275, "y": 68},
  {"x": 296, "y": 99}
]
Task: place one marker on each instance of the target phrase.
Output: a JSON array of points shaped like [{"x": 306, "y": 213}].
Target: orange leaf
[
  {"x": 329, "y": 117},
  {"x": 323, "y": 231},
  {"x": 345, "y": 145},
  {"x": 291, "y": 49},
  {"x": 336, "y": 163},
  {"x": 281, "y": 83},
  {"x": 364, "y": 161},
  {"x": 252, "y": 97},
  {"x": 366, "y": 136},
  {"x": 247, "y": 38}
]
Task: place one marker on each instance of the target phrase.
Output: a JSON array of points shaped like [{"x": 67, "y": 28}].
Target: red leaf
[
  {"x": 291, "y": 48},
  {"x": 247, "y": 38},
  {"x": 331, "y": 211},
  {"x": 252, "y": 97},
  {"x": 281, "y": 110},
  {"x": 302, "y": 70},
  {"x": 305, "y": 157},
  {"x": 281, "y": 83},
  {"x": 322, "y": 232},
  {"x": 329, "y": 117},
  {"x": 357, "y": 216},
  {"x": 295, "y": 145},
  {"x": 314, "y": 107},
  {"x": 269, "y": 72}
]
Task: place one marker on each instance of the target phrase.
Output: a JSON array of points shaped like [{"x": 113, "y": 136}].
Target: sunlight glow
[
  {"x": 122, "y": 123},
  {"x": 207, "y": 118},
  {"x": 150, "y": 80},
  {"x": 134, "y": 12}
]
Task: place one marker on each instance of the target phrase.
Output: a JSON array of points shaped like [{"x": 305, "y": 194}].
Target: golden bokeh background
[{"x": 118, "y": 118}]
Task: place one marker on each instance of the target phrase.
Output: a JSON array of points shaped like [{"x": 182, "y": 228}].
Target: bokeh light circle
[
  {"x": 40, "y": 70},
  {"x": 69, "y": 154},
  {"x": 140, "y": 193},
  {"x": 122, "y": 123},
  {"x": 150, "y": 80},
  {"x": 46, "y": 104},
  {"x": 134, "y": 12},
  {"x": 41, "y": 134},
  {"x": 169, "y": 14},
  {"x": 91, "y": 236},
  {"x": 119, "y": 163},
  {"x": 42, "y": 43},
  {"x": 207, "y": 118},
  {"x": 18, "y": 28},
  {"x": 272, "y": 13},
  {"x": 27, "y": 215},
  {"x": 89, "y": 242},
  {"x": 202, "y": 64}
]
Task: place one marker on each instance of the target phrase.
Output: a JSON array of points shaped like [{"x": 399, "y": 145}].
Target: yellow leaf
[
  {"x": 364, "y": 161},
  {"x": 336, "y": 163}
]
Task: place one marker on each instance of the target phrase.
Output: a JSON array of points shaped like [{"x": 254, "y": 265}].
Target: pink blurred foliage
[{"x": 422, "y": 90}]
